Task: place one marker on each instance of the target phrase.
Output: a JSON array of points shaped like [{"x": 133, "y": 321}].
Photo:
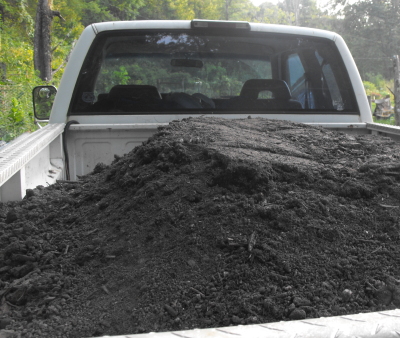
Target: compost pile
[{"x": 209, "y": 223}]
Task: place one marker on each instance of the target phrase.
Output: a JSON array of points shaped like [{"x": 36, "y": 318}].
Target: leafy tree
[
  {"x": 301, "y": 12},
  {"x": 17, "y": 18},
  {"x": 195, "y": 9},
  {"x": 54, "y": 42},
  {"x": 370, "y": 88},
  {"x": 269, "y": 13},
  {"x": 236, "y": 10},
  {"x": 293, "y": 6},
  {"x": 158, "y": 10},
  {"x": 109, "y": 10},
  {"x": 371, "y": 30},
  {"x": 42, "y": 40},
  {"x": 16, "y": 55},
  {"x": 308, "y": 13}
]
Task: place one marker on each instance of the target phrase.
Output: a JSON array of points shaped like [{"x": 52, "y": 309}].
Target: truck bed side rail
[
  {"x": 376, "y": 324},
  {"x": 31, "y": 160},
  {"x": 384, "y": 130}
]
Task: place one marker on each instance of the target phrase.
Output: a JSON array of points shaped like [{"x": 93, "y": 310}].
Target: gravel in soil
[{"x": 211, "y": 222}]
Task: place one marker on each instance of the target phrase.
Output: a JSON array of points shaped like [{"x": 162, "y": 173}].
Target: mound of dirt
[{"x": 209, "y": 223}]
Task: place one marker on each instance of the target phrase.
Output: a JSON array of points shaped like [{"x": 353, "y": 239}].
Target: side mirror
[{"x": 43, "y": 97}]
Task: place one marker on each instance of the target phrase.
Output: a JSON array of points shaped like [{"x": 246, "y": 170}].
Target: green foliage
[
  {"x": 16, "y": 18},
  {"x": 15, "y": 120},
  {"x": 121, "y": 76},
  {"x": 391, "y": 121},
  {"x": 269, "y": 13},
  {"x": 379, "y": 81},
  {"x": 16, "y": 114},
  {"x": 16, "y": 54},
  {"x": 157, "y": 10},
  {"x": 109, "y": 10},
  {"x": 371, "y": 30},
  {"x": 370, "y": 88},
  {"x": 376, "y": 85},
  {"x": 308, "y": 13},
  {"x": 65, "y": 33}
]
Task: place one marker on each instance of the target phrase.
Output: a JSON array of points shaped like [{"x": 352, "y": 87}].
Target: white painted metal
[
  {"x": 89, "y": 145},
  {"x": 155, "y": 125},
  {"x": 185, "y": 24},
  {"x": 15, "y": 187},
  {"x": 26, "y": 162},
  {"x": 355, "y": 79},
  {"x": 116, "y": 126},
  {"x": 384, "y": 130},
  {"x": 70, "y": 75},
  {"x": 166, "y": 118},
  {"x": 366, "y": 325},
  {"x": 143, "y": 24},
  {"x": 42, "y": 169}
]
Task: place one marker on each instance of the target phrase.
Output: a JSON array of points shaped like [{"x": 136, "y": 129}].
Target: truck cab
[{"x": 157, "y": 71}]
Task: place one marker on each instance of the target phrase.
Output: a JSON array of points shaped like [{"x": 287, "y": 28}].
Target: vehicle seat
[
  {"x": 134, "y": 97},
  {"x": 184, "y": 100},
  {"x": 281, "y": 93}
]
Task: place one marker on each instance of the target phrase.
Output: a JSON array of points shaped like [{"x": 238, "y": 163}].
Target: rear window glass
[{"x": 143, "y": 72}]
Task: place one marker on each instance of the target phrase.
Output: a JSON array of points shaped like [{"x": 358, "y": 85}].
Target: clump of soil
[{"x": 211, "y": 222}]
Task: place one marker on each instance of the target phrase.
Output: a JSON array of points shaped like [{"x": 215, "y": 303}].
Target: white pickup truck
[{"x": 126, "y": 79}]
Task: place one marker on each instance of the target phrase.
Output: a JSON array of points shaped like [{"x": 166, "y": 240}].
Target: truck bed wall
[{"x": 89, "y": 145}]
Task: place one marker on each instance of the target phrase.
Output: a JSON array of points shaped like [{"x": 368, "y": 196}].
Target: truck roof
[{"x": 186, "y": 24}]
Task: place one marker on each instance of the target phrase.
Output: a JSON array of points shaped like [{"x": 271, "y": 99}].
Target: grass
[{"x": 390, "y": 121}]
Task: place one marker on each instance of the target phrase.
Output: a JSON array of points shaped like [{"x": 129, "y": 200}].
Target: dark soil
[{"x": 210, "y": 223}]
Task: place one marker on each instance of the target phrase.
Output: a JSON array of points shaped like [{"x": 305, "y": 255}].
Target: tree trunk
[
  {"x": 42, "y": 47},
  {"x": 396, "y": 68},
  {"x": 294, "y": 7}
]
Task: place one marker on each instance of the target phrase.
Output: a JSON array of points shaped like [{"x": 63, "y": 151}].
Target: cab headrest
[{"x": 252, "y": 88}]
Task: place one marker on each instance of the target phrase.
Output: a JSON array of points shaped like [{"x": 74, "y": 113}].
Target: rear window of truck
[{"x": 147, "y": 72}]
